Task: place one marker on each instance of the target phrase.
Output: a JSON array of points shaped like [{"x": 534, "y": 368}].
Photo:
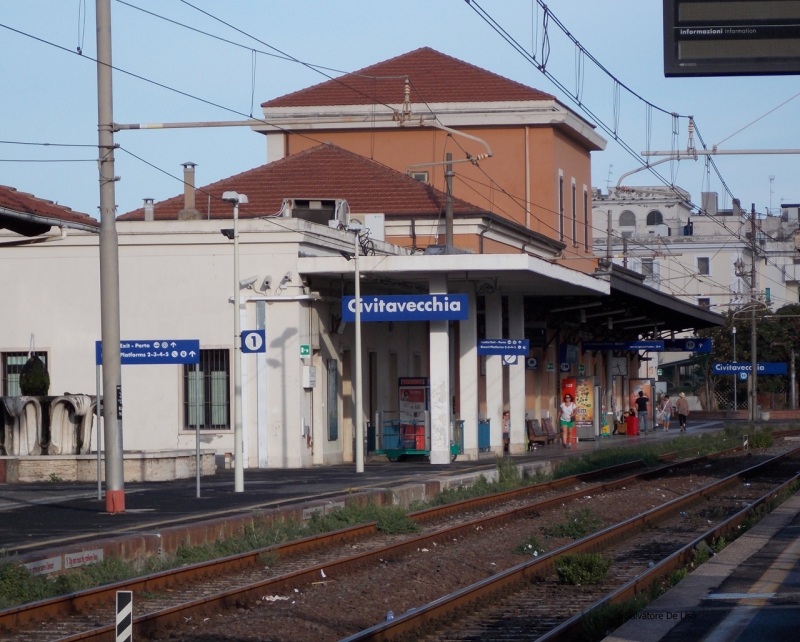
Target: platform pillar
[
  {"x": 468, "y": 374},
  {"x": 516, "y": 377},
  {"x": 440, "y": 380},
  {"x": 494, "y": 373}
]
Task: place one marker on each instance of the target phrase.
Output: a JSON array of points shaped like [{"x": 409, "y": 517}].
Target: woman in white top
[{"x": 567, "y": 420}]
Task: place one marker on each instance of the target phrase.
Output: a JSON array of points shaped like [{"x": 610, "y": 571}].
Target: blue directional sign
[
  {"x": 688, "y": 345},
  {"x": 743, "y": 375},
  {"x": 630, "y": 346},
  {"x": 401, "y": 307},
  {"x": 504, "y": 347},
  {"x": 154, "y": 352},
  {"x": 763, "y": 368},
  {"x": 254, "y": 341}
]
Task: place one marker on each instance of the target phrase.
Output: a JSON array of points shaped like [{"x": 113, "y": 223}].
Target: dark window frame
[
  {"x": 14, "y": 370},
  {"x": 213, "y": 362},
  {"x": 574, "y": 215},
  {"x": 585, "y": 219},
  {"x": 561, "y": 206}
]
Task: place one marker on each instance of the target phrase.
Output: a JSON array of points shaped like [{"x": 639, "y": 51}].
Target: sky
[{"x": 49, "y": 93}]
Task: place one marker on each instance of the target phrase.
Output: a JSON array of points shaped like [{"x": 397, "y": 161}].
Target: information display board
[{"x": 731, "y": 37}]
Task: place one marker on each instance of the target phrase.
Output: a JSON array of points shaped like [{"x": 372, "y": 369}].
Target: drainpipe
[
  {"x": 38, "y": 239},
  {"x": 480, "y": 236},
  {"x": 189, "y": 213}
]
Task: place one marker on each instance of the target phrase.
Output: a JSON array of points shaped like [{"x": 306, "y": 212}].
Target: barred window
[
  {"x": 214, "y": 392},
  {"x": 12, "y": 367}
]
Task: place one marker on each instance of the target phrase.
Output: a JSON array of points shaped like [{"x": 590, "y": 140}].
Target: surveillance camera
[
  {"x": 287, "y": 276},
  {"x": 248, "y": 282},
  {"x": 266, "y": 283}
]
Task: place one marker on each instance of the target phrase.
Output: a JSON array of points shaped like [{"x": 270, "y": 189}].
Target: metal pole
[
  {"x": 608, "y": 238},
  {"x": 736, "y": 376},
  {"x": 197, "y": 424},
  {"x": 238, "y": 449},
  {"x": 98, "y": 377},
  {"x": 753, "y": 335},
  {"x": 109, "y": 267},
  {"x": 793, "y": 395},
  {"x": 448, "y": 175},
  {"x": 359, "y": 374}
]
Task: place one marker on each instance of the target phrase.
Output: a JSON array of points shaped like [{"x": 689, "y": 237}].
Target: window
[
  {"x": 333, "y": 400},
  {"x": 703, "y": 265},
  {"x": 422, "y": 177},
  {"x": 627, "y": 219},
  {"x": 12, "y": 368},
  {"x": 561, "y": 206},
  {"x": 574, "y": 215},
  {"x": 647, "y": 267},
  {"x": 704, "y": 303},
  {"x": 585, "y": 218},
  {"x": 214, "y": 392},
  {"x": 655, "y": 218}
]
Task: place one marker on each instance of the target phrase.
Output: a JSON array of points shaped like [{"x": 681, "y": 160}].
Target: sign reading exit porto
[
  {"x": 155, "y": 352},
  {"x": 419, "y": 307},
  {"x": 504, "y": 347}
]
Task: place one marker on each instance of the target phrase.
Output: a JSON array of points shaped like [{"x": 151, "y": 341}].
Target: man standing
[{"x": 641, "y": 411}]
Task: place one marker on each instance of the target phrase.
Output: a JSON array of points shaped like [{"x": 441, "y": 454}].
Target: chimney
[
  {"x": 189, "y": 213},
  {"x": 149, "y": 210}
]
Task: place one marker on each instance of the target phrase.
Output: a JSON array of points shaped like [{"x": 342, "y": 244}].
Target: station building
[{"x": 524, "y": 266}]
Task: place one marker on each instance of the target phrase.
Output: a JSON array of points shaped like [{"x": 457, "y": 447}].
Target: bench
[
  {"x": 552, "y": 435},
  {"x": 535, "y": 433}
]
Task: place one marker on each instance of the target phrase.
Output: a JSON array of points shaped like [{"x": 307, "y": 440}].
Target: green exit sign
[
  {"x": 660, "y": 372},
  {"x": 305, "y": 350}
]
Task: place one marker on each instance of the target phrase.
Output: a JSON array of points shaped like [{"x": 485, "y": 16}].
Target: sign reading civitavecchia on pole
[
  {"x": 154, "y": 352},
  {"x": 766, "y": 368},
  {"x": 414, "y": 307}
]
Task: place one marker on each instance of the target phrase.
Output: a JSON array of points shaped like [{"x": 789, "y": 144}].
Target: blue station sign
[
  {"x": 155, "y": 352},
  {"x": 688, "y": 345},
  {"x": 630, "y": 346},
  {"x": 504, "y": 347},
  {"x": 766, "y": 368},
  {"x": 415, "y": 307}
]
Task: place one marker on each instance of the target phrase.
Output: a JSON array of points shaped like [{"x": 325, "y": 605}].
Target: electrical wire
[{"x": 19, "y": 142}]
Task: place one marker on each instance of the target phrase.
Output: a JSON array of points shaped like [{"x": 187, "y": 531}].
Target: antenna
[
  {"x": 608, "y": 180},
  {"x": 771, "y": 192}
]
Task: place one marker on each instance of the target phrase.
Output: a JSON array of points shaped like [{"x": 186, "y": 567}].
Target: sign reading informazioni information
[{"x": 415, "y": 307}]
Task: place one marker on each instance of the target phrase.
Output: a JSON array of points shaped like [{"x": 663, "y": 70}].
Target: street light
[
  {"x": 356, "y": 228},
  {"x": 238, "y": 450},
  {"x": 736, "y": 378}
]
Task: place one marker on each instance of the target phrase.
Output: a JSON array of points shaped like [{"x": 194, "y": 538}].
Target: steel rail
[
  {"x": 420, "y": 620},
  {"x": 19, "y": 616}
]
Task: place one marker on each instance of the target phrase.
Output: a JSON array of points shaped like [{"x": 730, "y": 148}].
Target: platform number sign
[
  {"x": 124, "y": 622},
  {"x": 253, "y": 341}
]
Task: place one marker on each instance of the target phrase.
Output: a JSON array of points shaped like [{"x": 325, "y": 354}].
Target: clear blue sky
[{"x": 49, "y": 95}]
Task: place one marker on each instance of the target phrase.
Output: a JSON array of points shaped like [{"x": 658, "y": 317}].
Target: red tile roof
[
  {"x": 322, "y": 172},
  {"x": 435, "y": 78},
  {"x": 12, "y": 199}
]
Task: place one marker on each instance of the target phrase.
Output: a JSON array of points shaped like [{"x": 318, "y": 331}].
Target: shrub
[
  {"x": 582, "y": 568},
  {"x": 34, "y": 380},
  {"x": 579, "y": 523},
  {"x": 761, "y": 440}
]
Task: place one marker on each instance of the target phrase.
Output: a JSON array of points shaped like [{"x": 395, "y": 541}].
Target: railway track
[
  {"x": 239, "y": 579},
  {"x": 528, "y": 602}
]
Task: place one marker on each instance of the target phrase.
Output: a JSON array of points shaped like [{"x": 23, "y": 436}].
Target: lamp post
[
  {"x": 736, "y": 376},
  {"x": 238, "y": 450},
  {"x": 359, "y": 374}
]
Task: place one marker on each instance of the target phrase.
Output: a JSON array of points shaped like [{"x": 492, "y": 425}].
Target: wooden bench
[
  {"x": 552, "y": 435},
  {"x": 535, "y": 433}
]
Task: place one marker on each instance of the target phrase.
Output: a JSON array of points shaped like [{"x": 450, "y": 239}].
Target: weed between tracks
[
  {"x": 581, "y": 569},
  {"x": 579, "y": 523}
]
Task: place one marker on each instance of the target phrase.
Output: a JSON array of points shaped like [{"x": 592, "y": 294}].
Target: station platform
[
  {"x": 49, "y": 519},
  {"x": 748, "y": 592}
]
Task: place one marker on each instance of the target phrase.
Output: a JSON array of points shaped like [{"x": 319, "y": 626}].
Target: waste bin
[{"x": 632, "y": 425}]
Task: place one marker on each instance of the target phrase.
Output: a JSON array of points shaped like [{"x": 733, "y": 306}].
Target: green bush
[
  {"x": 579, "y": 523},
  {"x": 582, "y": 568},
  {"x": 601, "y": 622},
  {"x": 33, "y": 379},
  {"x": 761, "y": 440},
  {"x": 677, "y": 575}
]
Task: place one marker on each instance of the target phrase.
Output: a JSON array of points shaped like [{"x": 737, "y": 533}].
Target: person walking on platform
[
  {"x": 665, "y": 411},
  {"x": 506, "y": 430},
  {"x": 567, "y": 420},
  {"x": 682, "y": 408},
  {"x": 641, "y": 411}
]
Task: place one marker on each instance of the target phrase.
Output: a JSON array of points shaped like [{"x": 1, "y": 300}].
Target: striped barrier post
[{"x": 124, "y": 616}]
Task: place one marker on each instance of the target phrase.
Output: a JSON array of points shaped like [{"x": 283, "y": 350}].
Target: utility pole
[
  {"x": 109, "y": 268},
  {"x": 753, "y": 335},
  {"x": 608, "y": 238},
  {"x": 448, "y": 219}
]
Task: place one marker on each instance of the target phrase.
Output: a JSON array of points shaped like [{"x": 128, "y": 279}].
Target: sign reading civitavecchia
[{"x": 415, "y": 307}]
